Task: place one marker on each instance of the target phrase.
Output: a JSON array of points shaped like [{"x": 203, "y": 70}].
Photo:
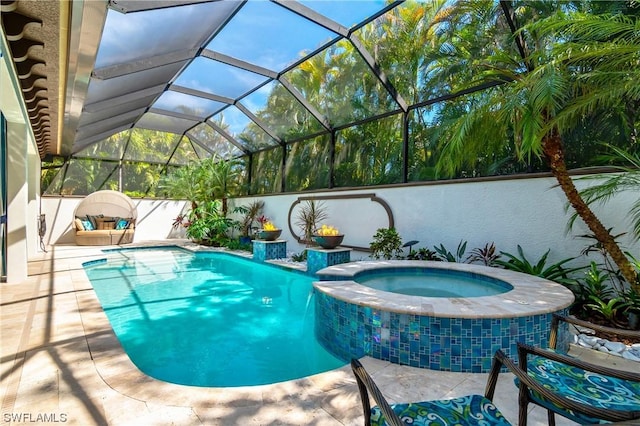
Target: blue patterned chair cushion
[
  {"x": 469, "y": 410},
  {"x": 589, "y": 388}
]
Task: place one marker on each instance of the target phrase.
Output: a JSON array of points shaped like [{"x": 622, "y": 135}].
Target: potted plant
[
  {"x": 328, "y": 237},
  {"x": 250, "y": 215},
  {"x": 269, "y": 232},
  {"x": 310, "y": 214}
]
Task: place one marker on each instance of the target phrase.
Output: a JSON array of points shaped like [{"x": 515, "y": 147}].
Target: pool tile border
[{"x": 447, "y": 334}]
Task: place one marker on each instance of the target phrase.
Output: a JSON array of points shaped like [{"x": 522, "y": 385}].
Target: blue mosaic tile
[
  {"x": 319, "y": 259},
  {"x": 447, "y": 344},
  {"x": 268, "y": 250}
]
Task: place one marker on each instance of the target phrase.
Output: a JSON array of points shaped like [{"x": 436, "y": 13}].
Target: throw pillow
[
  {"x": 88, "y": 225},
  {"x": 122, "y": 224},
  {"x": 92, "y": 219},
  {"x": 79, "y": 225}
]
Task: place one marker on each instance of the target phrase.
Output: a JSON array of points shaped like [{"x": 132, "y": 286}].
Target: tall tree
[
  {"x": 572, "y": 64},
  {"x": 222, "y": 177}
]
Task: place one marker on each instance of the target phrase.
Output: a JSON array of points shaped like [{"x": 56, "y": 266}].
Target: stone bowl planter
[
  {"x": 269, "y": 235},
  {"x": 328, "y": 241}
]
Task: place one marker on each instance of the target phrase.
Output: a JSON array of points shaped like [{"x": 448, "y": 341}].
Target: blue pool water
[
  {"x": 210, "y": 319},
  {"x": 432, "y": 282}
]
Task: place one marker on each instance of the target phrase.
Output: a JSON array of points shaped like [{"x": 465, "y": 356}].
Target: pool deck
[{"x": 61, "y": 363}]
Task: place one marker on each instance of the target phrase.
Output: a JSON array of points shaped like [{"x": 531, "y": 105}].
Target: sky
[{"x": 261, "y": 32}]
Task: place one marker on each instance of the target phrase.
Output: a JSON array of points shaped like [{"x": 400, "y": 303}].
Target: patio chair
[
  {"x": 591, "y": 394},
  {"x": 467, "y": 410}
]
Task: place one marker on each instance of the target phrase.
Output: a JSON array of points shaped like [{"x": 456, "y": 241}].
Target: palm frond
[{"x": 627, "y": 179}]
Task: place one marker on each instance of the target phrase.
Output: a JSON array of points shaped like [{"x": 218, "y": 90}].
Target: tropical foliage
[
  {"x": 207, "y": 225},
  {"x": 572, "y": 67},
  {"x": 627, "y": 178},
  {"x": 207, "y": 185},
  {"x": 386, "y": 244},
  {"x": 131, "y": 161},
  {"x": 204, "y": 180},
  {"x": 250, "y": 214},
  {"x": 555, "y": 272},
  {"x": 439, "y": 59}
]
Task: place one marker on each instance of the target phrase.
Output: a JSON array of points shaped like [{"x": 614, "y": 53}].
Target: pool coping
[{"x": 531, "y": 295}]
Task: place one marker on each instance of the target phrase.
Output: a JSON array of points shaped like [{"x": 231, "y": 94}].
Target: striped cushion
[{"x": 471, "y": 410}]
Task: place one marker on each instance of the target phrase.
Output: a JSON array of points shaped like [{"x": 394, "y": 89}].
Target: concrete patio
[{"x": 61, "y": 363}]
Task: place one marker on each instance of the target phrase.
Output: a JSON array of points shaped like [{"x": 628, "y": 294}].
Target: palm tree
[
  {"x": 183, "y": 183},
  {"x": 576, "y": 65},
  {"x": 222, "y": 178},
  {"x": 628, "y": 178}
]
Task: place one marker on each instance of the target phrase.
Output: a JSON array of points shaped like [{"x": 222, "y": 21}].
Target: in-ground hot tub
[
  {"x": 440, "y": 333},
  {"x": 432, "y": 282}
]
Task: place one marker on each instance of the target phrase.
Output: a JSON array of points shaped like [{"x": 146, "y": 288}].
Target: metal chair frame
[
  {"x": 524, "y": 351},
  {"x": 527, "y": 384},
  {"x": 368, "y": 388}
]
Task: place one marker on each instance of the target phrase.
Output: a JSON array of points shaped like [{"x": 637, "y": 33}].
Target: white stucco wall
[{"x": 529, "y": 212}]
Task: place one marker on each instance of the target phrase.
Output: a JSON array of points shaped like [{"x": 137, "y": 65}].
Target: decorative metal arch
[{"x": 371, "y": 196}]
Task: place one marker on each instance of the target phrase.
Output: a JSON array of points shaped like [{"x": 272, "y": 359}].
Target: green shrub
[
  {"x": 555, "y": 272},
  {"x": 299, "y": 257},
  {"x": 386, "y": 244},
  {"x": 423, "y": 254},
  {"x": 446, "y": 256},
  {"x": 207, "y": 225}
]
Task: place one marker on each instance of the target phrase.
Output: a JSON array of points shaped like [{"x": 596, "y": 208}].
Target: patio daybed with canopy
[{"x": 105, "y": 218}]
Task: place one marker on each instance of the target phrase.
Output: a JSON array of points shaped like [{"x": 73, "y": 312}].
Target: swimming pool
[
  {"x": 430, "y": 282},
  {"x": 209, "y": 318}
]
